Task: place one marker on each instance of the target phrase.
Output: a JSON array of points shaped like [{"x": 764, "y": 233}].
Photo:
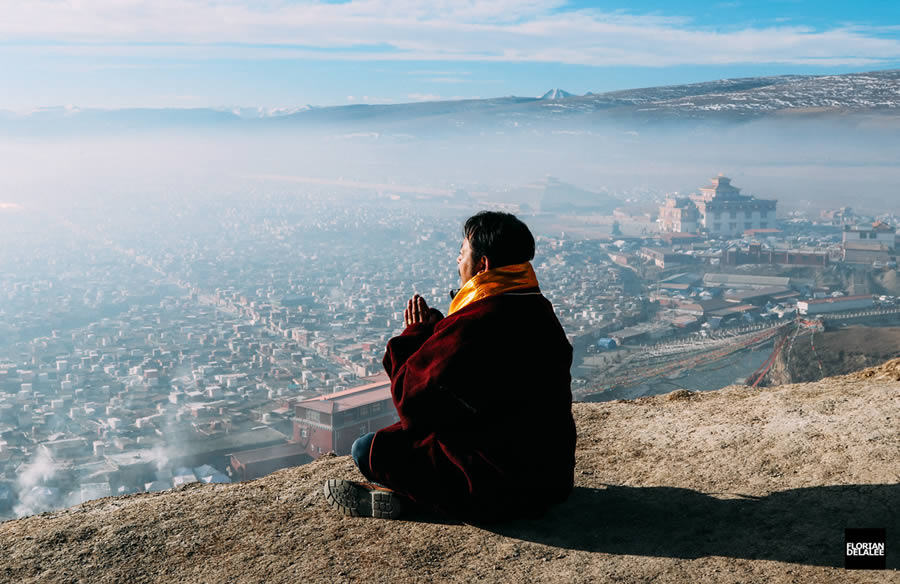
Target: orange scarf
[{"x": 494, "y": 282}]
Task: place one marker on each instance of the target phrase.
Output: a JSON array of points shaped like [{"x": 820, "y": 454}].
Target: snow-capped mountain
[
  {"x": 725, "y": 101},
  {"x": 856, "y": 91},
  {"x": 557, "y": 94}
]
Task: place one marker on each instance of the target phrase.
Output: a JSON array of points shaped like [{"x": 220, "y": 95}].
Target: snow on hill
[
  {"x": 557, "y": 94},
  {"x": 726, "y": 100}
]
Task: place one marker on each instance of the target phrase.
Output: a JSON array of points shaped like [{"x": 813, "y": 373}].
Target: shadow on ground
[{"x": 801, "y": 526}]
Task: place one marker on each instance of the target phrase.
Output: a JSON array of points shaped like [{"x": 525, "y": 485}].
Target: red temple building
[{"x": 330, "y": 423}]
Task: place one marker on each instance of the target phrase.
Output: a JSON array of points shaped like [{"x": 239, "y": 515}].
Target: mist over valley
[{"x": 176, "y": 283}]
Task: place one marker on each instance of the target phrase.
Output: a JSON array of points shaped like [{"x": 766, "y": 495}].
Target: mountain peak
[{"x": 557, "y": 94}]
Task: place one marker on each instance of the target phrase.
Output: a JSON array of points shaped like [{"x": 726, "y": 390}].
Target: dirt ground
[{"x": 736, "y": 485}]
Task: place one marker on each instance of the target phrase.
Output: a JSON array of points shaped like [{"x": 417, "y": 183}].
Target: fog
[
  {"x": 168, "y": 292},
  {"x": 807, "y": 162}
]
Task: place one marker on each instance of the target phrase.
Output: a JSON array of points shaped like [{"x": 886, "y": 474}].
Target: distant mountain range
[{"x": 728, "y": 100}]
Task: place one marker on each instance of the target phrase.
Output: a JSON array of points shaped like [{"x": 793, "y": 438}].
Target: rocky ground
[{"x": 736, "y": 485}]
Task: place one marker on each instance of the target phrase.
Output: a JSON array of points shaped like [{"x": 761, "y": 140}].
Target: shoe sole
[{"x": 353, "y": 500}]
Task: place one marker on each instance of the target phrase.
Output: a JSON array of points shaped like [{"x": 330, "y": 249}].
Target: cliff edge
[{"x": 736, "y": 485}]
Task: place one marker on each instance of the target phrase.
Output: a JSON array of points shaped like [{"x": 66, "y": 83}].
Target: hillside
[
  {"x": 736, "y": 485},
  {"x": 836, "y": 352},
  {"x": 875, "y": 93}
]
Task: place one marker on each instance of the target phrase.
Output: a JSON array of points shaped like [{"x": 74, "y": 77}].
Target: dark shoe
[{"x": 362, "y": 499}]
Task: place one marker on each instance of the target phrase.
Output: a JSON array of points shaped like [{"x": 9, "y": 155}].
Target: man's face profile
[{"x": 466, "y": 262}]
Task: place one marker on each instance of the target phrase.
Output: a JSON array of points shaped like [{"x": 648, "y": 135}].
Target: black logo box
[{"x": 865, "y": 548}]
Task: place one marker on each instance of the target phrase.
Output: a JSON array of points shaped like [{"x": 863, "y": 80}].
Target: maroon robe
[{"x": 485, "y": 407}]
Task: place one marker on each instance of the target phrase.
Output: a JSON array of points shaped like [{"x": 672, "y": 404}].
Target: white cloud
[
  {"x": 449, "y": 80},
  {"x": 441, "y": 73},
  {"x": 369, "y": 99},
  {"x": 424, "y": 30}
]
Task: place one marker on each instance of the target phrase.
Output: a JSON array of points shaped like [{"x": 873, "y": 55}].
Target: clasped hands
[{"x": 417, "y": 311}]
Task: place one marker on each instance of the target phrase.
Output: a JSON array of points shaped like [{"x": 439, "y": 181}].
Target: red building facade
[{"x": 331, "y": 423}]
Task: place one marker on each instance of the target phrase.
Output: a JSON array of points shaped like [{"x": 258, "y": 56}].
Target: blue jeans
[{"x": 360, "y": 453}]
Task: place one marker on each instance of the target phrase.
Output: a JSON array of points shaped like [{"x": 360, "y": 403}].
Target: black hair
[{"x": 501, "y": 237}]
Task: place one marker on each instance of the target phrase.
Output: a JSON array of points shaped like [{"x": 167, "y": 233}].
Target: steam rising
[{"x": 34, "y": 493}]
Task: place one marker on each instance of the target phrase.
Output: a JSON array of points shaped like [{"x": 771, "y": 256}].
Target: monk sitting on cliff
[{"x": 486, "y": 428}]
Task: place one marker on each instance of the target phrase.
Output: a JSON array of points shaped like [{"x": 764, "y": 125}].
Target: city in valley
[{"x": 226, "y": 336}]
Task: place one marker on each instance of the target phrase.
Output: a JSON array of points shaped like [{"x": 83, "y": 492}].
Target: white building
[
  {"x": 678, "y": 215},
  {"x": 869, "y": 243},
  {"x": 838, "y": 304},
  {"x": 877, "y": 232},
  {"x": 725, "y": 211},
  {"x": 718, "y": 209}
]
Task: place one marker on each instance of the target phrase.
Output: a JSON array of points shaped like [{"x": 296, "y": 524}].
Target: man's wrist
[{"x": 414, "y": 327}]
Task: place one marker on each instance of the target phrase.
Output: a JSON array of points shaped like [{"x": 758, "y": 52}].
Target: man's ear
[{"x": 484, "y": 264}]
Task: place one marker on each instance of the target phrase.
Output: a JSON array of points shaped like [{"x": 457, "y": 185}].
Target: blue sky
[{"x": 283, "y": 53}]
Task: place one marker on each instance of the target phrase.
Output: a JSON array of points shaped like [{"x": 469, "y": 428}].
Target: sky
[{"x": 288, "y": 53}]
